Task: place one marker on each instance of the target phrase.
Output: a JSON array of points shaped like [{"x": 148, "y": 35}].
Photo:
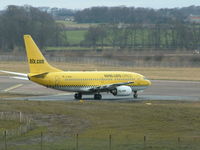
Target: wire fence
[
  {"x": 27, "y": 136},
  {"x": 42, "y": 141},
  {"x": 128, "y": 61},
  {"x": 25, "y": 123}
]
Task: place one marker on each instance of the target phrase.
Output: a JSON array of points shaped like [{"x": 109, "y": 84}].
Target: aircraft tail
[{"x": 37, "y": 62}]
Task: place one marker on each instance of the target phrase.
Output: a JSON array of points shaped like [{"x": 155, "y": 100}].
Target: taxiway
[{"x": 160, "y": 90}]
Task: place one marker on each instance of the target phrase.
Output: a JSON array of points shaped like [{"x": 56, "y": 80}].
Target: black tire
[
  {"x": 135, "y": 95},
  {"x": 97, "y": 96},
  {"x": 78, "y": 96}
]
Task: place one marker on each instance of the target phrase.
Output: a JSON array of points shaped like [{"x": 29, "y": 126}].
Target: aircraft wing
[
  {"x": 21, "y": 76},
  {"x": 110, "y": 86}
]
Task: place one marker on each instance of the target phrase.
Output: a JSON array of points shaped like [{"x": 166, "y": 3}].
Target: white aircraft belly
[
  {"x": 86, "y": 88},
  {"x": 73, "y": 88}
]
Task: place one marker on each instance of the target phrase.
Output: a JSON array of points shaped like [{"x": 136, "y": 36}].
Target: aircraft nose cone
[{"x": 148, "y": 82}]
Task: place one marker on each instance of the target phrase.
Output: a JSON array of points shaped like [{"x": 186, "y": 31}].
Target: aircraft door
[{"x": 57, "y": 81}]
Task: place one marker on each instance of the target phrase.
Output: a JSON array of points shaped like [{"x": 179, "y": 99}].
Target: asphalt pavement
[{"x": 160, "y": 90}]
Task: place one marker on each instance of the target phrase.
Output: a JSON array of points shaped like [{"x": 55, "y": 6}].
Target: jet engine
[{"x": 121, "y": 91}]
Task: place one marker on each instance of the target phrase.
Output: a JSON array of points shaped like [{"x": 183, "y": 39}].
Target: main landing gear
[
  {"x": 97, "y": 96},
  {"x": 135, "y": 95},
  {"x": 78, "y": 96}
]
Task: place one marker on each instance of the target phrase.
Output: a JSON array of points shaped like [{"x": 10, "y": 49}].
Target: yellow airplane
[{"x": 88, "y": 82}]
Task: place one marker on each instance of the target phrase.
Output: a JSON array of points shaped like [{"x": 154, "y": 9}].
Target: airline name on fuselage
[
  {"x": 36, "y": 61},
  {"x": 116, "y": 75}
]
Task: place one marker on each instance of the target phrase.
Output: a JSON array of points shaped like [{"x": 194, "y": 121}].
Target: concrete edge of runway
[{"x": 106, "y": 97}]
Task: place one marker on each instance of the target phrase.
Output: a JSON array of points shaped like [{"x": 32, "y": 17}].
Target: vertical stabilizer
[{"x": 37, "y": 62}]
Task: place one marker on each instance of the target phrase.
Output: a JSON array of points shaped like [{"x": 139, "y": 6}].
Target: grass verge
[{"x": 162, "y": 123}]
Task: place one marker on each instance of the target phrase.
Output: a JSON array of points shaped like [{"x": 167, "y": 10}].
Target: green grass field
[
  {"x": 75, "y": 36},
  {"x": 74, "y": 48},
  {"x": 78, "y": 48},
  {"x": 142, "y": 37},
  {"x": 70, "y": 24},
  {"x": 128, "y": 122}
]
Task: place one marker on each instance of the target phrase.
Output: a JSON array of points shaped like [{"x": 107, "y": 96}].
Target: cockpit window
[{"x": 145, "y": 78}]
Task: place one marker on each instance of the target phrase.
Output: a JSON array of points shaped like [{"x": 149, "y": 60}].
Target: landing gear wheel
[
  {"x": 97, "y": 96},
  {"x": 135, "y": 95},
  {"x": 78, "y": 96}
]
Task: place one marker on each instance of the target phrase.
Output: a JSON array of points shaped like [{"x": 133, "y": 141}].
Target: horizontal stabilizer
[
  {"x": 14, "y": 73},
  {"x": 21, "y": 78}
]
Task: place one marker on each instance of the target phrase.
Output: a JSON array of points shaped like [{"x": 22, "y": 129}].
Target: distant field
[
  {"x": 142, "y": 36},
  {"x": 151, "y": 73},
  {"x": 75, "y": 36},
  {"x": 162, "y": 123},
  {"x": 70, "y": 24},
  {"x": 68, "y": 48},
  {"x": 76, "y": 48}
]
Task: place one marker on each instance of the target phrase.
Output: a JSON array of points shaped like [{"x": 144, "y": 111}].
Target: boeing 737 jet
[{"x": 82, "y": 83}]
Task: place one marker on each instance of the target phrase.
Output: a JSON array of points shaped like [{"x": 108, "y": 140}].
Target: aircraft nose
[{"x": 148, "y": 82}]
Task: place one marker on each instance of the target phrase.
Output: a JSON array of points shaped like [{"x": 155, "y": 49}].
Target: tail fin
[{"x": 37, "y": 62}]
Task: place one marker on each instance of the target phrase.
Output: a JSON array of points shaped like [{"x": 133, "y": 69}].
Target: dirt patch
[{"x": 61, "y": 125}]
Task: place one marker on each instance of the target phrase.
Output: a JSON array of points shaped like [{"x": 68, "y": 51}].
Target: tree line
[
  {"x": 157, "y": 36},
  {"x": 142, "y": 28},
  {"x": 16, "y": 21},
  {"x": 122, "y": 14},
  {"x": 134, "y": 15}
]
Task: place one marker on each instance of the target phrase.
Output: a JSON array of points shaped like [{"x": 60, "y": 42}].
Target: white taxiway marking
[
  {"x": 13, "y": 87},
  {"x": 60, "y": 94}
]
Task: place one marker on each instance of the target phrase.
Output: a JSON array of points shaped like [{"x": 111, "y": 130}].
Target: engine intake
[{"x": 122, "y": 91}]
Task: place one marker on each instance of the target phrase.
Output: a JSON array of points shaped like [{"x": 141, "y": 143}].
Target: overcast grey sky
[{"x": 80, "y": 4}]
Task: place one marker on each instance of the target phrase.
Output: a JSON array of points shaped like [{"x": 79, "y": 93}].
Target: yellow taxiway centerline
[{"x": 13, "y": 87}]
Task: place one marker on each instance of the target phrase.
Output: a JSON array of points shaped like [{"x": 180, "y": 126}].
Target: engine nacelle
[{"x": 121, "y": 91}]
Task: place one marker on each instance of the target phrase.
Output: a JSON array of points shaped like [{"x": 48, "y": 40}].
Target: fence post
[
  {"x": 20, "y": 117},
  {"x": 5, "y": 139},
  {"x": 76, "y": 141},
  {"x": 179, "y": 141},
  {"x": 41, "y": 144},
  {"x": 110, "y": 141},
  {"x": 145, "y": 139}
]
